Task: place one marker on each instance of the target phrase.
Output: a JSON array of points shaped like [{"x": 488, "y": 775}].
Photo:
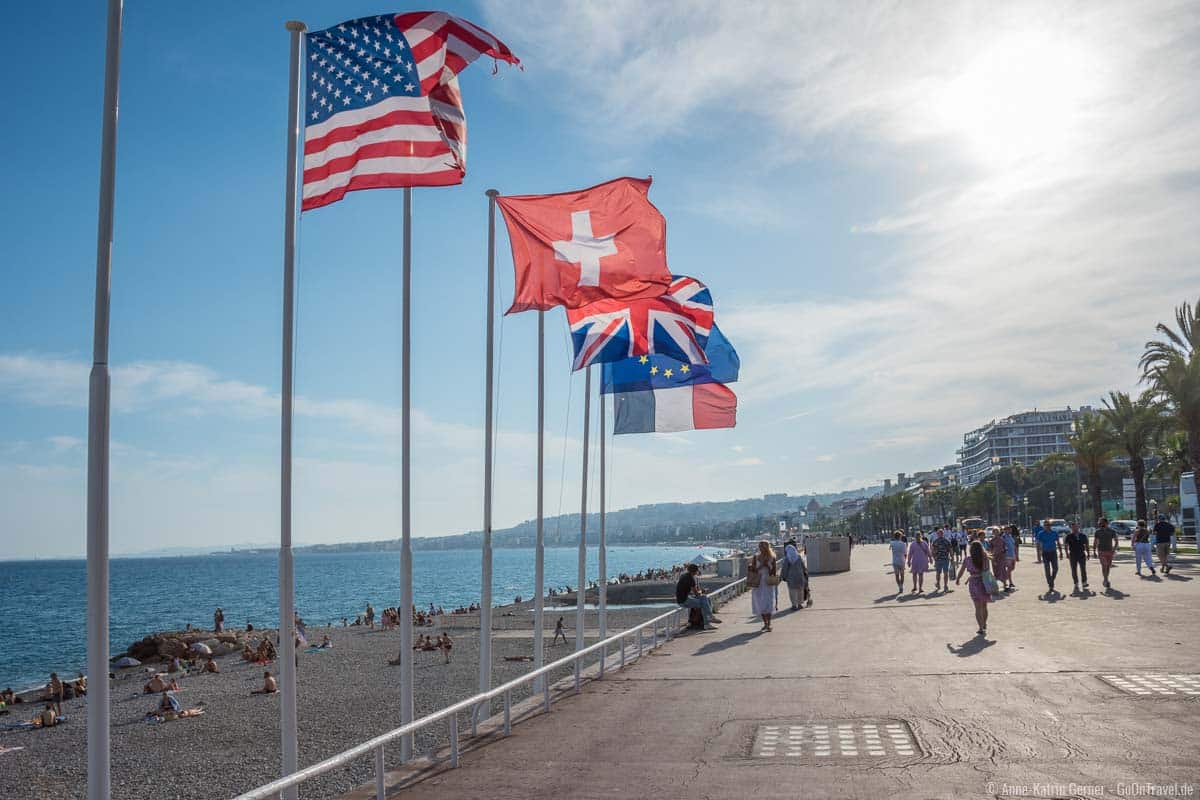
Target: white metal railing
[{"x": 669, "y": 622}]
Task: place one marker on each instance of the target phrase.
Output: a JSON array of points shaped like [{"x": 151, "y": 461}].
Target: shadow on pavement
[
  {"x": 1115, "y": 594},
  {"x": 1171, "y": 576},
  {"x": 725, "y": 644},
  {"x": 970, "y": 647},
  {"x": 1051, "y": 597}
]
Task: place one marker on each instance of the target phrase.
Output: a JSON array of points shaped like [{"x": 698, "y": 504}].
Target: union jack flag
[
  {"x": 383, "y": 108},
  {"x": 675, "y": 324}
]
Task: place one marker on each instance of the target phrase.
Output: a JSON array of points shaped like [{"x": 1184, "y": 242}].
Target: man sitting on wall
[{"x": 689, "y": 595}]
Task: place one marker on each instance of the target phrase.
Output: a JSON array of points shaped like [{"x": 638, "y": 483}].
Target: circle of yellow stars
[{"x": 684, "y": 369}]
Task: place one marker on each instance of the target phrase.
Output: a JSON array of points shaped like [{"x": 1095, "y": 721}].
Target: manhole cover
[
  {"x": 835, "y": 740},
  {"x": 1155, "y": 684}
]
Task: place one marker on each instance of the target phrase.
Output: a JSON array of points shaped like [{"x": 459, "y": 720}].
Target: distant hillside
[{"x": 645, "y": 524}]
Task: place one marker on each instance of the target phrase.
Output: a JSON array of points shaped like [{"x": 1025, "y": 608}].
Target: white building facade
[{"x": 1020, "y": 439}]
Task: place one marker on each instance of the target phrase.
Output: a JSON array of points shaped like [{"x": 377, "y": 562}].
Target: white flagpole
[
  {"x": 485, "y": 587},
  {"x": 602, "y": 555},
  {"x": 406, "y": 589},
  {"x": 99, "y": 393},
  {"x": 539, "y": 564},
  {"x": 581, "y": 587},
  {"x": 287, "y": 600}
]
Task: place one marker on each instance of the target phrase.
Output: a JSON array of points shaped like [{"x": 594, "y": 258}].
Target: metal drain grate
[
  {"x": 1156, "y": 684},
  {"x": 835, "y": 740}
]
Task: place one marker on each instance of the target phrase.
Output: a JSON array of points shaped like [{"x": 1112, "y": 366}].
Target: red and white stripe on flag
[
  {"x": 414, "y": 133},
  {"x": 697, "y": 406}
]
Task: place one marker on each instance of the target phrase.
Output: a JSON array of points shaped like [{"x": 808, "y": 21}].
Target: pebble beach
[{"x": 347, "y": 694}]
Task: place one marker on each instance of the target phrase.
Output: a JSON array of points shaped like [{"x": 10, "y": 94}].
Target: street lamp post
[
  {"x": 996, "y": 470},
  {"x": 1052, "y": 504},
  {"x": 1082, "y": 496}
]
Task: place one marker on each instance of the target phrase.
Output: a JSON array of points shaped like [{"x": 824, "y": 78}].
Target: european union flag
[{"x": 642, "y": 373}]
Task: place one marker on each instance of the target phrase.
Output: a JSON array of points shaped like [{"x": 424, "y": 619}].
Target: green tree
[
  {"x": 1172, "y": 455},
  {"x": 1172, "y": 367},
  {"x": 1093, "y": 445},
  {"x": 1136, "y": 426}
]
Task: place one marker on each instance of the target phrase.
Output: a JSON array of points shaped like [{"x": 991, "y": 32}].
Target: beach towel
[{"x": 5, "y": 749}]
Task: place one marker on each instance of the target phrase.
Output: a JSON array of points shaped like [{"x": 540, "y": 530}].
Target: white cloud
[
  {"x": 63, "y": 444},
  {"x": 826, "y": 457},
  {"x": 749, "y": 461},
  {"x": 1046, "y": 162}
]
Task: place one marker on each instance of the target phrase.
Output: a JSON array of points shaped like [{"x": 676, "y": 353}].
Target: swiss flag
[{"x": 570, "y": 249}]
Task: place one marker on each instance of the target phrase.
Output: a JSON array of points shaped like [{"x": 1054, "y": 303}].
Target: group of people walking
[
  {"x": 989, "y": 557},
  {"x": 766, "y": 572}
]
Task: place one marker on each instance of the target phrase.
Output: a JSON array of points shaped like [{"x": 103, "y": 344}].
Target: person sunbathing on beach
[
  {"x": 326, "y": 642},
  {"x": 158, "y": 684},
  {"x": 210, "y": 666},
  {"x": 269, "y": 685},
  {"x": 169, "y": 708},
  {"x": 247, "y": 653},
  {"x": 47, "y": 719},
  {"x": 8, "y": 697}
]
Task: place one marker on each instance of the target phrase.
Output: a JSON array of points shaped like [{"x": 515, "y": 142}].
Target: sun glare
[{"x": 1023, "y": 98}]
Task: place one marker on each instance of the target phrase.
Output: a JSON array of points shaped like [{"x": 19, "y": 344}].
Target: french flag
[{"x": 688, "y": 407}]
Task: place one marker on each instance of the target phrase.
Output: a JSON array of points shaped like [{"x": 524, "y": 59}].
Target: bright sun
[{"x": 1023, "y": 98}]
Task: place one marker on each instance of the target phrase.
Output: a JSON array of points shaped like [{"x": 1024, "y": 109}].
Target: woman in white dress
[{"x": 762, "y": 596}]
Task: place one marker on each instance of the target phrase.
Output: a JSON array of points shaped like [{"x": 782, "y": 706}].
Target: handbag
[
  {"x": 753, "y": 578},
  {"x": 989, "y": 580},
  {"x": 773, "y": 578}
]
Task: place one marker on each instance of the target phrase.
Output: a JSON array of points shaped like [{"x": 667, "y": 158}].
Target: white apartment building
[{"x": 1020, "y": 439}]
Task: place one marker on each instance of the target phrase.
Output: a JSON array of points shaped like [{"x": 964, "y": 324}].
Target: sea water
[{"x": 43, "y": 604}]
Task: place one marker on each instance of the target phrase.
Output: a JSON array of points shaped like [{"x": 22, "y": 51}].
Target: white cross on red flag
[{"x": 573, "y": 248}]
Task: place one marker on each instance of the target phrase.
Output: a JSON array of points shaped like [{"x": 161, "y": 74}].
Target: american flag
[{"x": 383, "y": 107}]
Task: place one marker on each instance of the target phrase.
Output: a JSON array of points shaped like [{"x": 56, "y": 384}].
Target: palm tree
[
  {"x": 1172, "y": 366},
  {"x": 1093, "y": 445},
  {"x": 1136, "y": 425},
  {"x": 1172, "y": 454}
]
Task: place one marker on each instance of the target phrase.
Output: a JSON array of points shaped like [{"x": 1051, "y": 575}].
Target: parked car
[
  {"x": 1124, "y": 527},
  {"x": 1060, "y": 526}
]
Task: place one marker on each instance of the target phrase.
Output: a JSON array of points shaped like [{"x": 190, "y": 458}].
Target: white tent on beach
[{"x": 700, "y": 559}]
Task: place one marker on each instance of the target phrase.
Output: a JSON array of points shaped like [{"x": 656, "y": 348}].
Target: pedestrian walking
[
  {"x": 919, "y": 557},
  {"x": 1013, "y": 544},
  {"x": 1141, "y": 547},
  {"x": 1035, "y": 533},
  {"x": 941, "y": 548},
  {"x": 1164, "y": 533},
  {"x": 899, "y": 553},
  {"x": 218, "y": 621},
  {"x": 1077, "y": 553},
  {"x": 558, "y": 631},
  {"x": 999, "y": 551},
  {"x": 1105, "y": 544},
  {"x": 765, "y": 579},
  {"x": 974, "y": 565},
  {"x": 1048, "y": 544},
  {"x": 795, "y": 574}
]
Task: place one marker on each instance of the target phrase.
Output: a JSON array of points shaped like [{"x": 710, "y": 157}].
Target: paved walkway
[{"x": 870, "y": 695}]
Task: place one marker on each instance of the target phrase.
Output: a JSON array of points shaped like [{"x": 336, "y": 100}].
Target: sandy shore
[{"x": 347, "y": 695}]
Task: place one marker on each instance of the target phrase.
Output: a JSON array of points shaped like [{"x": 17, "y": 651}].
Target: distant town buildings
[{"x": 1020, "y": 439}]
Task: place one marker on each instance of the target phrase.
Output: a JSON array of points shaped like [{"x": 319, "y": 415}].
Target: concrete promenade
[{"x": 867, "y": 695}]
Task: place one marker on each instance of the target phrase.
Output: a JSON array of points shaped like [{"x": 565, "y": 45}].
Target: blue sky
[{"x": 913, "y": 219}]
